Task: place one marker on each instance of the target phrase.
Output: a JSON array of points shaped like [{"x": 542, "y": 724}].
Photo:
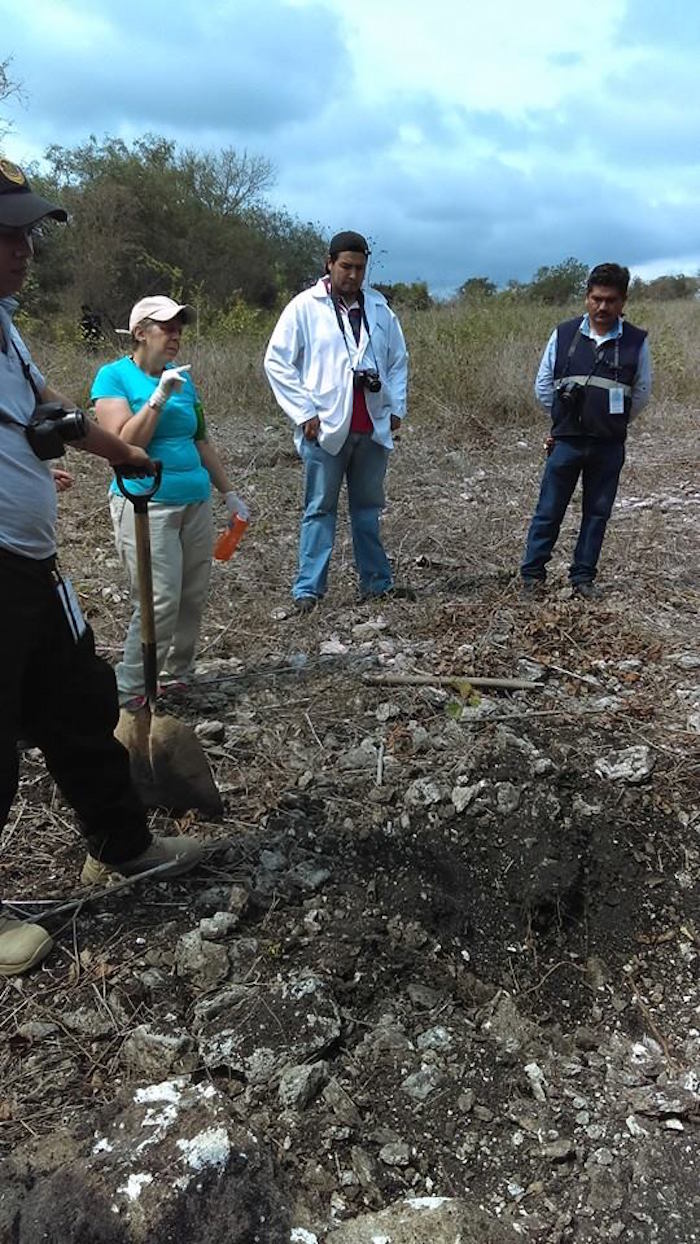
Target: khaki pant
[{"x": 182, "y": 538}]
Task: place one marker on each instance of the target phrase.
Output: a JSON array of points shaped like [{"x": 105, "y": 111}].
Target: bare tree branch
[{"x": 8, "y": 88}]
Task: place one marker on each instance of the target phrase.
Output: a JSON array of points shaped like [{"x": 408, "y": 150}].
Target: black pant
[{"x": 62, "y": 697}]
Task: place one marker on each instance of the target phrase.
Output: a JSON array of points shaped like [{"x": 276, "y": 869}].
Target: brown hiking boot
[
  {"x": 22, "y": 945},
  {"x": 179, "y": 854}
]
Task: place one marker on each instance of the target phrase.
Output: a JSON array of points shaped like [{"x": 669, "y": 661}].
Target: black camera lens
[
  {"x": 570, "y": 394},
  {"x": 73, "y": 426},
  {"x": 51, "y": 427},
  {"x": 367, "y": 379}
]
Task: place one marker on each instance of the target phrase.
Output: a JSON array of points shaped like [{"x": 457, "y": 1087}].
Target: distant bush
[
  {"x": 415, "y": 295},
  {"x": 665, "y": 288},
  {"x": 472, "y": 366}
]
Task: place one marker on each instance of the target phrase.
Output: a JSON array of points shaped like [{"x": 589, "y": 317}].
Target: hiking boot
[
  {"x": 305, "y": 604},
  {"x": 532, "y": 589},
  {"x": 22, "y": 945},
  {"x": 587, "y": 590},
  {"x": 180, "y": 854}
]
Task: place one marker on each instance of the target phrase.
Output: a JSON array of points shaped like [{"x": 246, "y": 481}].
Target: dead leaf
[{"x": 656, "y": 939}]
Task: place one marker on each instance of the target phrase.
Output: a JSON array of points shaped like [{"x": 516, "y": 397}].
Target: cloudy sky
[{"x": 466, "y": 139}]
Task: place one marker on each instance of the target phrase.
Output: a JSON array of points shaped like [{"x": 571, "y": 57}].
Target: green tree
[
  {"x": 413, "y": 295},
  {"x": 560, "y": 283},
  {"x": 150, "y": 218},
  {"x": 476, "y": 288}
]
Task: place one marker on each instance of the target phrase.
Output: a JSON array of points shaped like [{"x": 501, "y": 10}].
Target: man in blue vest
[{"x": 594, "y": 378}]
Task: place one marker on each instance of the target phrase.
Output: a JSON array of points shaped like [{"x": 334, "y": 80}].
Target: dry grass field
[{"x": 549, "y": 917}]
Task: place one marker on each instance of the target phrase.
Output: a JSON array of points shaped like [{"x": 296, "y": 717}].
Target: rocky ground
[{"x": 438, "y": 979}]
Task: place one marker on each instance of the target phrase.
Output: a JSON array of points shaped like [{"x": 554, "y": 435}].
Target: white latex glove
[
  {"x": 236, "y": 505},
  {"x": 170, "y": 382}
]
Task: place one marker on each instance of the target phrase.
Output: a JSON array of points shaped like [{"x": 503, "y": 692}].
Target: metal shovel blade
[{"x": 168, "y": 766}]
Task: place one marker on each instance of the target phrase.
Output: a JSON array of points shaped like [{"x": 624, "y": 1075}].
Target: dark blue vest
[{"x": 597, "y": 369}]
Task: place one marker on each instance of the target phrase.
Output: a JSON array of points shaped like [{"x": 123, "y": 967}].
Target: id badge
[
  {"x": 71, "y": 607},
  {"x": 617, "y": 401}
]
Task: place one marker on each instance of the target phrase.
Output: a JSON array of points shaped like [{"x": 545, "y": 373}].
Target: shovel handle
[{"x": 139, "y": 500}]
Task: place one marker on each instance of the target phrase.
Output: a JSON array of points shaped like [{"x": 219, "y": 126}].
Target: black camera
[
  {"x": 51, "y": 426},
  {"x": 571, "y": 394},
  {"x": 367, "y": 379}
]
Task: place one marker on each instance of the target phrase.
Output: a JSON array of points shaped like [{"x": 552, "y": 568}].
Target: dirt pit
[{"x": 448, "y": 944}]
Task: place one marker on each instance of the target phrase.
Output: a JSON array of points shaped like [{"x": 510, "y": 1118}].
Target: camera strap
[
  {"x": 27, "y": 373},
  {"x": 24, "y": 364},
  {"x": 4, "y": 418},
  {"x": 341, "y": 325},
  {"x": 599, "y": 357}
]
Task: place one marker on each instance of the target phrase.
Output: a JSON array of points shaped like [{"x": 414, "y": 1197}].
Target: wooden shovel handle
[{"x": 145, "y": 577}]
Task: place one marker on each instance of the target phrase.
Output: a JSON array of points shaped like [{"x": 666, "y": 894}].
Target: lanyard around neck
[
  {"x": 599, "y": 356},
  {"x": 339, "y": 317}
]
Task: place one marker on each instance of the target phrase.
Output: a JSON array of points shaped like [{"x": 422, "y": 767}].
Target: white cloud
[
  {"x": 504, "y": 56},
  {"x": 466, "y": 138}
]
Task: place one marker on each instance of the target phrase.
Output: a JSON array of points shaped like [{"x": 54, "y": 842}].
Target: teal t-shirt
[{"x": 179, "y": 427}]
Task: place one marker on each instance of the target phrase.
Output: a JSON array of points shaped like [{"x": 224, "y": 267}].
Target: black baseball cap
[
  {"x": 348, "y": 240},
  {"x": 19, "y": 205}
]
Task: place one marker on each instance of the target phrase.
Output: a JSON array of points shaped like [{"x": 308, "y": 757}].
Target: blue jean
[
  {"x": 599, "y": 464},
  {"x": 362, "y": 462}
]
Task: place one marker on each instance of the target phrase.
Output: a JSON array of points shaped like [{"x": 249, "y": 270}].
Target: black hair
[
  {"x": 348, "y": 240},
  {"x": 611, "y": 274}
]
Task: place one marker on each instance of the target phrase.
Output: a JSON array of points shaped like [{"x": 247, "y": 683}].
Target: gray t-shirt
[{"x": 27, "y": 490}]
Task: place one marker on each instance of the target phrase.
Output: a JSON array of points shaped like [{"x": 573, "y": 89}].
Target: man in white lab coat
[{"x": 338, "y": 366}]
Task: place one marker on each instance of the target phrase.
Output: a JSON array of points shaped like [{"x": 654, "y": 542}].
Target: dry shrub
[{"x": 472, "y": 368}]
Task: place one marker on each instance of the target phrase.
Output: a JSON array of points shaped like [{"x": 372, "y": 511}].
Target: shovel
[{"x": 168, "y": 765}]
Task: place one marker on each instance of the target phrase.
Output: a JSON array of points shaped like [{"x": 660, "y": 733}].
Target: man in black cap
[
  {"x": 337, "y": 365},
  {"x": 53, "y": 688}
]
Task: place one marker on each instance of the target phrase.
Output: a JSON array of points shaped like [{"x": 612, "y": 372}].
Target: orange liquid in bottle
[{"x": 229, "y": 539}]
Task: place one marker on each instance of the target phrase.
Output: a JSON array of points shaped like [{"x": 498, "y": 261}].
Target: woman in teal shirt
[{"x": 149, "y": 402}]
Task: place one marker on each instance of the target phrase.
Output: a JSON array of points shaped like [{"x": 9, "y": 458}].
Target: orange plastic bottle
[{"x": 229, "y": 539}]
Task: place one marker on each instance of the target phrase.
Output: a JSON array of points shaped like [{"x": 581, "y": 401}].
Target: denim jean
[
  {"x": 599, "y": 463},
  {"x": 362, "y": 462}
]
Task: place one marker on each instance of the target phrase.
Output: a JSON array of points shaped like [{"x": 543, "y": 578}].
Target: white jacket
[{"x": 310, "y": 368}]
